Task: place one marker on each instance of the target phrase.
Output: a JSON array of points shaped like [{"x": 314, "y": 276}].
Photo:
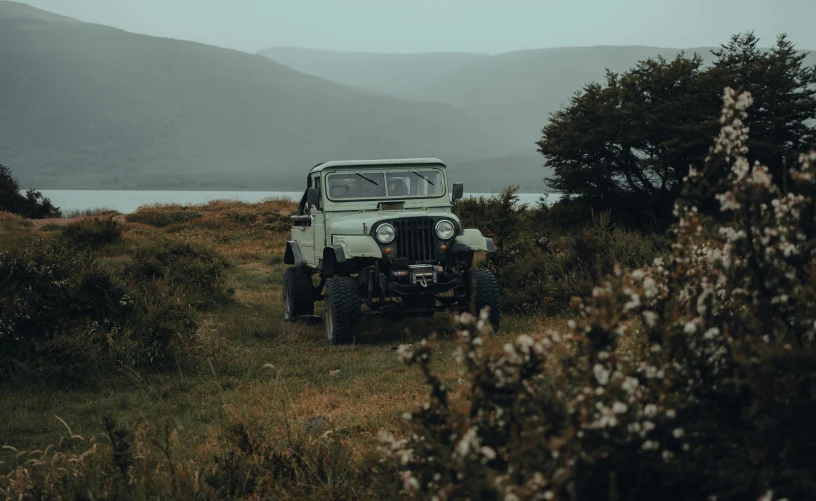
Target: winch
[{"x": 422, "y": 274}]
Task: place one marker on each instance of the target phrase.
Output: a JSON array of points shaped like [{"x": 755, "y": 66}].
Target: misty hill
[
  {"x": 389, "y": 73},
  {"x": 511, "y": 93},
  {"x": 91, "y": 106},
  {"x": 525, "y": 169}
]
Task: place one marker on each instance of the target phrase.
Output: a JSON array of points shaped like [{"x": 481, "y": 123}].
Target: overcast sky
[{"x": 449, "y": 25}]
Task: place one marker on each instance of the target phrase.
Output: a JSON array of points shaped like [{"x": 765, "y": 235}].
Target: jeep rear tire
[
  {"x": 342, "y": 310},
  {"x": 298, "y": 293},
  {"x": 482, "y": 290}
]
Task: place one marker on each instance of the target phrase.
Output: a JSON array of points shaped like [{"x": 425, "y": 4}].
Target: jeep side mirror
[
  {"x": 458, "y": 191},
  {"x": 313, "y": 196}
]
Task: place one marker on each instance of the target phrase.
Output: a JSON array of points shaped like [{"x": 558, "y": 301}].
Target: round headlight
[
  {"x": 385, "y": 233},
  {"x": 444, "y": 229}
]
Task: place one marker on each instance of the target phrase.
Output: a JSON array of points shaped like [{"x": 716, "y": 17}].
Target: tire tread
[
  {"x": 301, "y": 291},
  {"x": 344, "y": 300}
]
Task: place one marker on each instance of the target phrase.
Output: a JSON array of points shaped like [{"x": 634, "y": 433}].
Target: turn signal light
[
  {"x": 388, "y": 251},
  {"x": 443, "y": 247}
]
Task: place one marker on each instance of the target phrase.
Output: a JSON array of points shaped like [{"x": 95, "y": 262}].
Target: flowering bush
[{"x": 691, "y": 378}]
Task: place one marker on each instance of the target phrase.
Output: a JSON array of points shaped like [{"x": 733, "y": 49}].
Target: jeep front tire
[
  {"x": 482, "y": 290},
  {"x": 342, "y": 310},
  {"x": 298, "y": 293}
]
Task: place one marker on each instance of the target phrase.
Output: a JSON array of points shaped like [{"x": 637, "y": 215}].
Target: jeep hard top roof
[{"x": 374, "y": 163}]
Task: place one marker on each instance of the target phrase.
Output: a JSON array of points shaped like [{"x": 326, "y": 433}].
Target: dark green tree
[
  {"x": 784, "y": 92},
  {"x": 32, "y": 205},
  {"x": 627, "y": 146}
]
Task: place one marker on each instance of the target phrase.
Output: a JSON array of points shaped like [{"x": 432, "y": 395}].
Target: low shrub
[
  {"x": 691, "y": 378},
  {"x": 92, "y": 232},
  {"x": 161, "y": 217},
  {"x": 192, "y": 273},
  {"x": 65, "y": 319},
  {"x": 540, "y": 266}
]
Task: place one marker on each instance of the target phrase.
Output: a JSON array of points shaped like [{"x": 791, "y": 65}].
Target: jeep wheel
[
  {"x": 342, "y": 305},
  {"x": 482, "y": 290},
  {"x": 298, "y": 295}
]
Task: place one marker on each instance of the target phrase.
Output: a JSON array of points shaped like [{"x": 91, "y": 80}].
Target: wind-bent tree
[{"x": 628, "y": 145}]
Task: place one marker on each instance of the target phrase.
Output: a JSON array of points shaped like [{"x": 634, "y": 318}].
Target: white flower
[
  {"x": 488, "y": 453},
  {"x": 650, "y": 445},
  {"x": 711, "y": 333},
  {"x": 409, "y": 482},
  {"x": 405, "y": 353},
  {"x": 601, "y": 374},
  {"x": 619, "y": 407},
  {"x": 468, "y": 443},
  {"x": 678, "y": 432},
  {"x": 630, "y": 384}
]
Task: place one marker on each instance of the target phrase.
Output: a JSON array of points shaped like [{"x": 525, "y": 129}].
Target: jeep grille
[{"x": 415, "y": 239}]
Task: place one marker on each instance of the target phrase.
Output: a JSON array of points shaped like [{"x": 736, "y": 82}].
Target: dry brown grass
[{"x": 359, "y": 389}]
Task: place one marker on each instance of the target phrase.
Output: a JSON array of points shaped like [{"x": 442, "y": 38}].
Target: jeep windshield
[{"x": 402, "y": 183}]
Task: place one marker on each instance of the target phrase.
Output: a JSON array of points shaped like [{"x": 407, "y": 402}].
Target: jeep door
[{"x": 318, "y": 224}]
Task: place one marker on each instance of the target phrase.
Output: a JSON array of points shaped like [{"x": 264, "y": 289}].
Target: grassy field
[{"x": 253, "y": 367}]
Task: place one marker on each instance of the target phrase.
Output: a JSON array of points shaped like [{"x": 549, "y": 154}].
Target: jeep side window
[{"x": 316, "y": 184}]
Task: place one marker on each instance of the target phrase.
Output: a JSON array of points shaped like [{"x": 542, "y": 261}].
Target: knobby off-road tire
[
  {"x": 483, "y": 290},
  {"x": 342, "y": 310},
  {"x": 298, "y": 293}
]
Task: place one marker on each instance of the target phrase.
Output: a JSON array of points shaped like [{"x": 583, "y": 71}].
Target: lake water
[{"x": 125, "y": 201}]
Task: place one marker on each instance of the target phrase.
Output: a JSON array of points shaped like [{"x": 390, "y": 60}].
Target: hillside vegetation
[{"x": 87, "y": 106}]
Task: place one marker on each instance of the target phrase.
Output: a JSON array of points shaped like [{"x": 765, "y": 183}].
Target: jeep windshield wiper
[
  {"x": 375, "y": 183},
  {"x": 423, "y": 177}
]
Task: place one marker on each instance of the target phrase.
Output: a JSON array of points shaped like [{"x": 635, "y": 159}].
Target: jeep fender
[
  {"x": 292, "y": 254},
  {"x": 357, "y": 246},
  {"x": 332, "y": 262},
  {"x": 472, "y": 240}
]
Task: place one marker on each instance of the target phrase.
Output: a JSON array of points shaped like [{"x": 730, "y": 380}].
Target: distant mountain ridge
[
  {"x": 389, "y": 73},
  {"x": 88, "y": 106},
  {"x": 512, "y": 93}
]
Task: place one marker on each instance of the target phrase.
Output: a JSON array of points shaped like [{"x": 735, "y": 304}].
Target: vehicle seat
[
  {"x": 400, "y": 189},
  {"x": 339, "y": 191}
]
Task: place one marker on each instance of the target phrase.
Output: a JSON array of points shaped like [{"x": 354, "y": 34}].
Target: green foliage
[
  {"x": 541, "y": 265},
  {"x": 192, "y": 273},
  {"x": 65, "y": 318},
  {"x": 32, "y": 205},
  {"x": 691, "y": 378},
  {"x": 628, "y": 145},
  {"x": 93, "y": 233}
]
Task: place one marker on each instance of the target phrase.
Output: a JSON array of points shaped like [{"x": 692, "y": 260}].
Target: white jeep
[{"x": 381, "y": 233}]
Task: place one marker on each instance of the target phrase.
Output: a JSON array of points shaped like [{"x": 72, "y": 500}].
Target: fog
[{"x": 448, "y": 25}]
